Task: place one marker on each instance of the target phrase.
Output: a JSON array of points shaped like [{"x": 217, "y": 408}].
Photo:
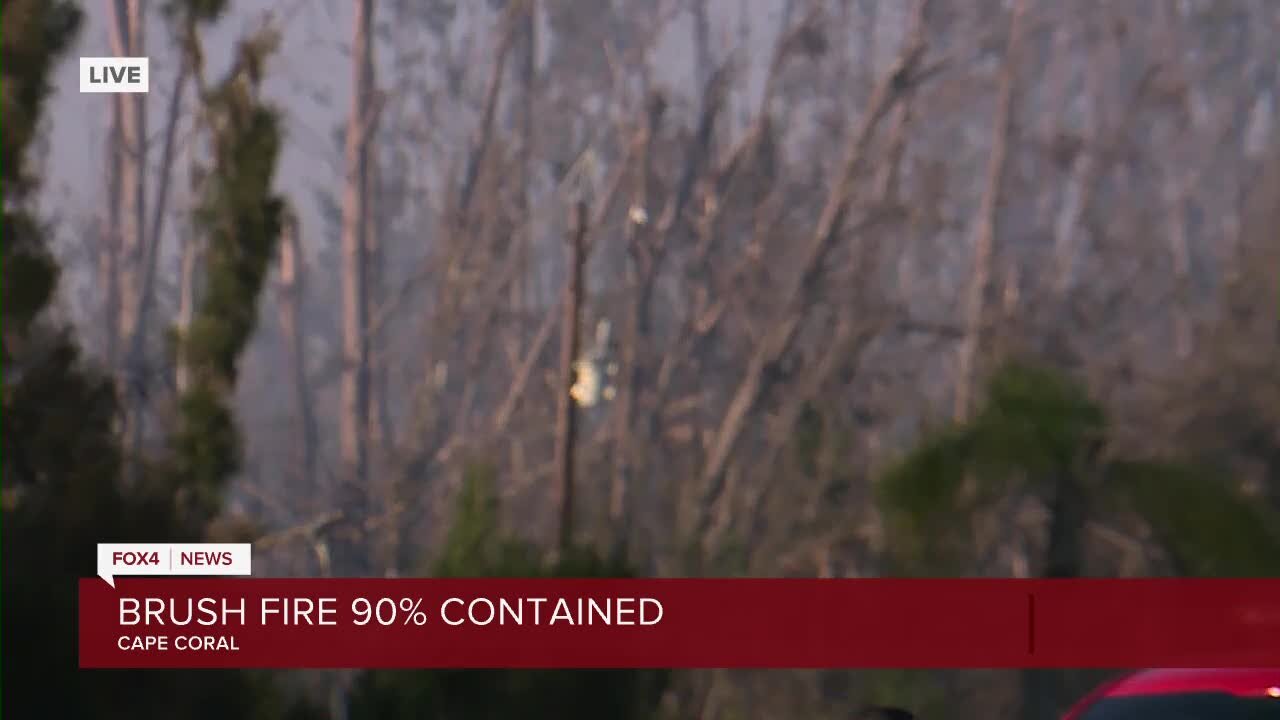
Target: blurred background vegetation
[{"x": 860, "y": 289}]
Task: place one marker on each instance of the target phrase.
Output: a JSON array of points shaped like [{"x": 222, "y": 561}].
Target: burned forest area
[{"x": 658, "y": 288}]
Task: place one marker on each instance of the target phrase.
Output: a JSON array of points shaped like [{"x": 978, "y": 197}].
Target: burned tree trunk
[
  {"x": 292, "y": 284},
  {"x": 354, "y": 429},
  {"x": 109, "y": 258},
  {"x": 128, "y": 39},
  {"x": 570, "y": 343},
  {"x": 642, "y": 268},
  {"x": 984, "y": 233}
]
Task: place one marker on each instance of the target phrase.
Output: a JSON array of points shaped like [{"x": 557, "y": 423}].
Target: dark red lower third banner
[{"x": 509, "y": 623}]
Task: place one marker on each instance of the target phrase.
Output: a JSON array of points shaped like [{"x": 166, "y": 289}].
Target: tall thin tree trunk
[
  {"x": 1177, "y": 196},
  {"x": 641, "y": 269},
  {"x": 566, "y": 408},
  {"x": 137, "y": 346},
  {"x": 624, "y": 441},
  {"x": 292, "y": 286},
  {"x": 1087, "y": 168},
  {"x": 702, "y": 43},
  {"x": 373, "y": 228},
  {"x": 984, "y": 234},
  {"x": 529, "y": 70},
  {"x": 190, "y": 249},
  {"x": 128, "y": 38},
  {"x": 777, "y": 338},
  {"x": 109, "y": 257},
  {"x": 1180, "y": 250},
  {"x": 381, "y": 433},
  {"x": 155, "y": 230},
  {"x": 354, "y": 429},
  {"x": 1064, "y": 552},
  {"x": 522, "y": 286}
]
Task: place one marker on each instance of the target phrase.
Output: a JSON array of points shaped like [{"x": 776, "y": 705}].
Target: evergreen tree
[
  {"x": 1039, "y": 433},
  {"x": 61, "y": 459},
  {"x": 241, "y": 217}
]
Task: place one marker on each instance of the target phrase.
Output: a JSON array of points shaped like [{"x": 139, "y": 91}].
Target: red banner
[{"x": 510, "y": 623}]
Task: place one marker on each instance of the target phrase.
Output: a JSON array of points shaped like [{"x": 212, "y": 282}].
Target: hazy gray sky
[{"x": 308, "y": 79}]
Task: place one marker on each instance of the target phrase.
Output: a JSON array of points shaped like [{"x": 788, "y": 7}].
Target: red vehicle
[{"x": 1195, "y": 694}]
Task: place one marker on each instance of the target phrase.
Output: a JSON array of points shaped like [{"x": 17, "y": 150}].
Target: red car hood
[{"x": 1244, "y": 682}]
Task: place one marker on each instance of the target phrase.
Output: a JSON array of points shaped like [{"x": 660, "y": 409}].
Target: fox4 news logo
[{"x": 115, "y": 74}]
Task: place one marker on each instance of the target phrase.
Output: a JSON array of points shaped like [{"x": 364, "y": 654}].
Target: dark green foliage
[
  {"x": 29, "y": 276},
  {"x": 34, "y": 34},
  {"x": 477, "y": 548},
  {"x": 206, "y": 449},
  {"x": 924, "y": 487},
  {"x": 61, "y": 458},
  {"x": 59, "y": 444},
  {"x": 924, "y": 694},
  {"x": 242, "y": 218},
  {"x": 1038, "y": 427},
  {"x": 1034, "y": 422},
  {"x": 43, "y": 411},
  {"x": 1036, "y": 419},
  {"x": 1209, "y": 531}
]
